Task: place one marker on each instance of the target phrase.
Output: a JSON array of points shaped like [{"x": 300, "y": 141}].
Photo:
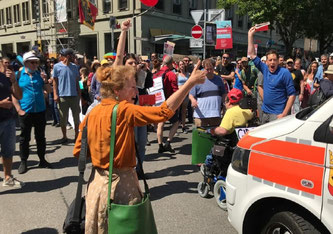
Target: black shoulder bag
[{"x": 75, "y": 218}]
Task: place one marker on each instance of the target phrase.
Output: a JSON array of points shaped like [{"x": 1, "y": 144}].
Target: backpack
[{"x": 317, "y": 97}]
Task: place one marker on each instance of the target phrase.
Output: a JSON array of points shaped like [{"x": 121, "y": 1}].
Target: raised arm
[
  {"x": 197, "y": 77},
  {"x": 125, "y": 25},
  {"x": 250, "y": 46}
]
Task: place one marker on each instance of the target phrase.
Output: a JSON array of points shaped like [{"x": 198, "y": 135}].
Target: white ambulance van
[{"x": 280, "y": 179}]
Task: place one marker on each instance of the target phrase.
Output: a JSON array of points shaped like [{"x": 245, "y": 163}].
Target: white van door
[{"x": 327, "y": 136}]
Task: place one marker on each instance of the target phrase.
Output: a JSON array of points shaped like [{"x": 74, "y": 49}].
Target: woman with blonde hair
[{"x": 118, "y": 86}]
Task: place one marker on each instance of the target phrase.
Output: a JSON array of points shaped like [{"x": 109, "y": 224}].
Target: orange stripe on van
[
  {"x": 307, "y": 153},
  {"x": 286, "y": 172},
  {"x": 247, "y": 141}
]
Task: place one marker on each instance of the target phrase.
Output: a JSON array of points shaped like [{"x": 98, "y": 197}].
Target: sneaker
[
  {"x": 69, "y": 127},
  {"x": 167, "y": 147},
  {"x": 54, "y": 123},
  {"x": 13, "y": 182},
  {"x": 161, "y": 149},
  {"x": 184, "y": 130},
  {"x": 23, "y": 167},
  {"x": 57, "y": 125},
  {"x": 45, "y": 164}
]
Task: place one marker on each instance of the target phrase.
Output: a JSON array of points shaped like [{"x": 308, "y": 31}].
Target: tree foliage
[
  {"x": 319, "y": 24},
  {"x": 293, "y": 19}
]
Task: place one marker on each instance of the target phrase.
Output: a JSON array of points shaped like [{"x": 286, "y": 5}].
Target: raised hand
[
  {"x": 11, "y": 75},
  {"x": 125, "y": 25}
]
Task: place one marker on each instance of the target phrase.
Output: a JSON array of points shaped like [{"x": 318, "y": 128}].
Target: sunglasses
[{"x": 225, "y": 57}]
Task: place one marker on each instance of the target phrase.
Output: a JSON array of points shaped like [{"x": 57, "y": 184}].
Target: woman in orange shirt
[{"x": 118, "y": 86}]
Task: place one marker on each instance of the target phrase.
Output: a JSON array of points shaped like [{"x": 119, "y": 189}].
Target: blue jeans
[
  {"x": 141, "y": 141},
  {"x": 7, "y": 138}
]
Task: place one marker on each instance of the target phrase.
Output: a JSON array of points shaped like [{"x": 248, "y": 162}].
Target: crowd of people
[{"x": 207, "y": 93}]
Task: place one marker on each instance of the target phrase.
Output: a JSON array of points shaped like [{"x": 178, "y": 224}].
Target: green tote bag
[{"x": 128, "y": 219}]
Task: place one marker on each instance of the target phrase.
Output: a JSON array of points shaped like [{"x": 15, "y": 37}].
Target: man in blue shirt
[
  {"x": 207, "y": 98},
  {"x": 66, "y": 90},
  {"x": 31, "y": 109},
  {"x": 279, "y": 90}
]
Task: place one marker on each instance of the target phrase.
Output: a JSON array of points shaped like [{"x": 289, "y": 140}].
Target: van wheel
[
  {"x": 286, "y": 222},
  {"x": 220, "y": 194},
  {"x": 203, "y": 189}
]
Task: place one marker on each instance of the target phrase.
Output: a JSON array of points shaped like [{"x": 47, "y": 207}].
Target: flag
[
  {"x": 87, "y": 13},
  {"x": 61, "y": 11},
  {"x": 262, "y": 26}
]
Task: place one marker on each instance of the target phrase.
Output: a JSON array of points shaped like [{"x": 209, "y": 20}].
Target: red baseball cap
[{"x": 235, "y": 95}]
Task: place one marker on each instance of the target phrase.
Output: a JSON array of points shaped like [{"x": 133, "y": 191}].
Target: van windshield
[{"x": 308, "y": 111}]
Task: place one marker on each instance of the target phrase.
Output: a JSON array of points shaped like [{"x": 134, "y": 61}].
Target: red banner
[
  {"x": 223, "y": 35},
  {"x": 87, "y": 13}
]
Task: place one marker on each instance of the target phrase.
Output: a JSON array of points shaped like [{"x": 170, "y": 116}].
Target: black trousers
[{"x": 27, "y": 121}]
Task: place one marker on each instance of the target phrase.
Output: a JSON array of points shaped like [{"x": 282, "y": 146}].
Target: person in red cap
[{"x": 234, "y": 116}]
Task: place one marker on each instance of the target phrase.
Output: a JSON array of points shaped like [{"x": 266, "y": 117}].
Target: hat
[
  {"x": 290, "y": 60},
  {"x": 331, "y": 55},
  {"x": 30, "y": 56},
  {"x": 235, "y": 95},
  {"x": 329, "y": 70},
  {"x": 104, "y": 61},
  {"x": 66, "y": 52}
]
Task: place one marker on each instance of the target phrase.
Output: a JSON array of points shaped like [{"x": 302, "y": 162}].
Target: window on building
[
  {"x": 45, "y": 8},
  {"x": 35, "y": 10},
  {"x": 17, "y": 15},
  {"x": 177, "y": 7},
  {"x": 160, "y": 5},
  {"x": 8, "y": 15},
  {"x": 106, "y": 6},
  {"x": 240, "y": 21},
  {"x": 192, "y": 4},
  {"x": 122, "y": 4},
  {"x": 2, "y": 17},
  {"x": 249, "y": 23},
  {"x": 25, "y": 11},
  {"x": 69, "y": 5}
]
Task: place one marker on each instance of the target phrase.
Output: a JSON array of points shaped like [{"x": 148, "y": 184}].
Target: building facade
[{"x": 22, "y": 26}]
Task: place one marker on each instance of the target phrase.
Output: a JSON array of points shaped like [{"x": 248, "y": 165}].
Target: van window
[{"x": 308, "y": 111}]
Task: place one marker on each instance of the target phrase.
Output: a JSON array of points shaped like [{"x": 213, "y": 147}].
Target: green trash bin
[{"x": 202, "y": 143}]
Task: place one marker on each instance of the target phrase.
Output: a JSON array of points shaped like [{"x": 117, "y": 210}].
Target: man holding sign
[{"x": 279, "y": 91}]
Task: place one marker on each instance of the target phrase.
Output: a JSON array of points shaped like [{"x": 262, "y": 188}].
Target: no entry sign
[{"x": 196, "y": 31}]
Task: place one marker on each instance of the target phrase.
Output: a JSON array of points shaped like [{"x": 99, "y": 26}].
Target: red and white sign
[
  {"x": 196, "y": 31},
  {"x": 223, "y": 35},
  {"x": 262, "y": 26}
]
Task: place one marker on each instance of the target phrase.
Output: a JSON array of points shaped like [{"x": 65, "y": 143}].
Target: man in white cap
[{"x": 31, "y": 109}]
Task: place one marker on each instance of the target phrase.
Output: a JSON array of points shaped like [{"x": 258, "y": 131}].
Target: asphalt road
[{"x": 41, "y": 205}]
